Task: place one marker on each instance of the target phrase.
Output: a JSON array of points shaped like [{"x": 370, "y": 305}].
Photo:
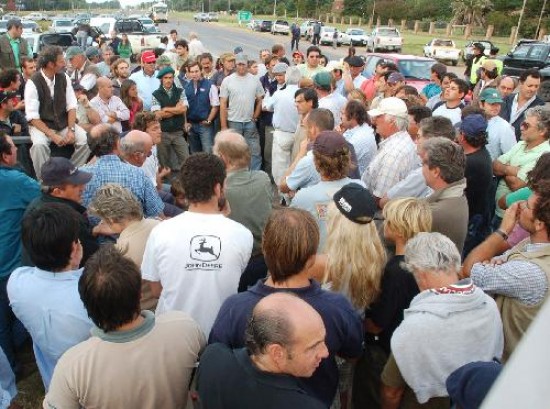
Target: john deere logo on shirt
[{"x": 205, "y": 248}]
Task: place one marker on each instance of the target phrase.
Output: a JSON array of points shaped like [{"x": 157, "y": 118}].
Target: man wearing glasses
[
  {"x": 311, "y": 66},
  {"x": 514, "y": 165}
]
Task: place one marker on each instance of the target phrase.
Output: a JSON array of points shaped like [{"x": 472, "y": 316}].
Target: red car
[{"x": 416, "y": 70}]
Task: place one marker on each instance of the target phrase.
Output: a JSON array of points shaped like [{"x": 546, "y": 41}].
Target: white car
[
  {"x": 280, "y": 27},
  {"x": 385, "y": 38},
  {"x": 354, "y": 36},
  {"x": 148, "y": 24},
  {"x": 442, "y": 50},
  {"x": 36, "y": 16},
  {"x": 62, "y": 26},
  {"x": 327, "y": 33},
  {"x": 30, "y": 27}
]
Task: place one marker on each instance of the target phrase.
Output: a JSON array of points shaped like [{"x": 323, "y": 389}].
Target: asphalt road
[{"x": 220, "y": 38}]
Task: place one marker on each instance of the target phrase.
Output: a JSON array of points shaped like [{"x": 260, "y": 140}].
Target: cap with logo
[
  {"x": 58, "y": 171},
  {"x": 148, "y": 57},
  {"x": 390, "y": 106},
  {"x": 356, "y": 203},
  {"x": 490, "y": 95}
]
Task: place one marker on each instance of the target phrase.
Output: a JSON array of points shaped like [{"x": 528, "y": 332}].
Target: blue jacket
[{"x": 199, "y": 103}]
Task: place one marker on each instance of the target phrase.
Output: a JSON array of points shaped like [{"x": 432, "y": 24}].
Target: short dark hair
[
  {"x": 5, "y": 146},
  {"x": 450, "y": 75},
  {"x": 200, "y": 174},
  {"x": 290, "y": 238},
  {"x": 419, "y": 112},
  {"x": 356, "y": 110},
  {"x": 173, "y": 31},
  {"x": 267, "y": 327},
  {"x": 462, "y": 85},
  {"x": 408, "y": 90},
  {"x": 110, "y": 288},
  {"x": 8, "y": 76},
  {"x": 322, "y": 118},
  {"x": 105, "y": 142},
  {"x": 143, "y": 119},
  {"x": 313, "y": 48},
  {"x": 309, "y": 95},
  {"x": 276, "y": 48},
  {"x": 181, "y": 43},
  {"x": 25, "y": 60},
  {"x": 49, "y": 55},
  {"x": 531, "y": 72},
  {"x": 541, "y": 209},
  {"x": 471, "y": 110},
  {"x": 438, "y": 69},
  {"x": 446, "y": 155},
  {"x": 14, "y": 22},
  {"x": 48, "y": 233},
  {"x": 205, "y": 55},
  {"x": 435, "y": 126},
  {"x": 389, "y": 65},
  {"x": 540, "y": 172}
]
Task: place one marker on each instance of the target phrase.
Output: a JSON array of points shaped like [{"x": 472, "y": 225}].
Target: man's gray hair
[
  {"x": 432, "y": 252},
  {"x": 129, "y": 147},
  {"x": 400, "y": 122},
  {"x": 543, "y": 118},
  {"x": 293, "y": 76},
  {"x": 446, "y": 155}
]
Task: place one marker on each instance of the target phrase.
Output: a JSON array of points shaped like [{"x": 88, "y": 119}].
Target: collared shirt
[
  {"x": 114, "y": 104},
  {"x": 519, "y": 279},
  {"x": 15, "y": 44},
  {"x": 396, "y": 157},
  {"x": 49, "y": 306},
  {"x": 146, "y": 85},
  {"x": 516, "y": 111},
  {"x": 364, "y": 142},
  {"x": 304, "y": 174},
  {"x": 32, "y": 103},
  {"x": 501, "y": 137},
  {"x": 111, "y": 169},
  {"x": 285, "y": 114},
  {"x": 334, "y": 102},
  {"x": 88, "y": 80},
  {"x": 155, "y": 105},
  {"x": 414, "y": 185}
]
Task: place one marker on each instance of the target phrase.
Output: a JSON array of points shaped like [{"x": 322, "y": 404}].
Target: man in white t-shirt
[
  {"x": 194, "y": 261},
  {"x": 452, "y": 106}
]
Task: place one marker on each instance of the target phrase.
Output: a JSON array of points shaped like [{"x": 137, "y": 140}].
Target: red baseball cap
[{"x": 148, "y": 57}]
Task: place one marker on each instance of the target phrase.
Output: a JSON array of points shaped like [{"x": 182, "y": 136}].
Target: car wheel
[{"x": 544, "y": 90}]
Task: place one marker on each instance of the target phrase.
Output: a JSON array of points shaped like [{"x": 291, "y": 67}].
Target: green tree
[{"x": 471, "y": 11}]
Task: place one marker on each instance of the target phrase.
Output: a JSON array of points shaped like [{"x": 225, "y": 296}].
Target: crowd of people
[{"x": 246, "y": 233}]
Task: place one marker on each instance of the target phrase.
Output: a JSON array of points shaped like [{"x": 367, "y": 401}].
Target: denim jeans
[
  {"x": 201, "y": 138},
  {"x": 250, "y": 133},
  {"x": 12, "y": 333}
]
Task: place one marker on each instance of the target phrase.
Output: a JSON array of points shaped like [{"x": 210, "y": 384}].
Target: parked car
[
  {"x": 148, "y": 24},
  {"x": 385, "y": 38},
  {"x": 214, "y": 16},
  {"x": 38, "y": 41},
  {"x": 62, "y": 26},
  {"x": 530, "y": 55},
  {"x": 280, "y": 27},
  {"x": 416, "y": 70},
  {"x": 327, "y": 33},
  {"x": 262, "y": 25},
  {"x": 469, "y": 48},
  {"x": 354, "y": 36},
  {"x": 37, "y": 16},
  {"x": 306, "y": 29},
  {"x": 201, "y": 17},
  {"x": 3, "y": 26},
  {"x": 442, "y": 50},
  {"x": 140, "y": 39},
  {"x": 10, "y": 16},
  {"x": 30, "y": 27}
]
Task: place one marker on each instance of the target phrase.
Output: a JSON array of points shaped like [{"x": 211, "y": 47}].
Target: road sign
[{"x": 244, "y": 16}]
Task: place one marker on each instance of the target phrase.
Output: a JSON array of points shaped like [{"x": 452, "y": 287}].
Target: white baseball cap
[{"x": 390, "y": 106}]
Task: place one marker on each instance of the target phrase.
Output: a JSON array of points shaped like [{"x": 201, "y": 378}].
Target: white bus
[{"x": 159, "y": 13}]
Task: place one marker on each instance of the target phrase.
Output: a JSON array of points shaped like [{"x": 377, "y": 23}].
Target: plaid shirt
[
  {"x": 395, "y": 158},
  {"x": 111, "y": 169},
  {"x": 519, "y": 279}
]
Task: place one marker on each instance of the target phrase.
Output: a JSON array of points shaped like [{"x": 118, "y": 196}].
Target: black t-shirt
[
  {"x": 479, "y": 177},
  {"x": 398, "y": 289},
  {"x": 227, "y": 378}
]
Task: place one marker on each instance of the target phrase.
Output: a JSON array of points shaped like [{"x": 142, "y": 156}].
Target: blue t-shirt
[
  {"x": 17, "y": 191},
  {"x": 343, "y": 326},
  {"x": 431, "y": 90}
]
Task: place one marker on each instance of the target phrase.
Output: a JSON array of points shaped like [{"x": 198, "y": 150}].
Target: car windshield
[
  {"x": 443, "y": 43},
  {"x": 415, "y": 68},
  {"x": 64, "y": 23},
  {"x": 146, "y": 21},
  {"x": 357, "y": 32},
  {"x": 328, "y": 29},
  {"x": 388, "y": 32}
]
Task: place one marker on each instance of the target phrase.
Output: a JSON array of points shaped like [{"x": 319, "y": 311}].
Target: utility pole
[
  {"x": 519, "y": 21},
  {"x": 275, "y": 9},
  {"x": 540, "y": 20}
]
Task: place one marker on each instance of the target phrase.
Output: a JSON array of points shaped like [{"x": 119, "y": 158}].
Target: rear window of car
[
  {"x": 357, "y": 32},
  {"x": 443, "y": 43},
  {"x": 328, "y": 29},
  {"x": 388, "y": 32},
  {"x": 63, "y": 23},
  {"x": 415, "y": 68}
]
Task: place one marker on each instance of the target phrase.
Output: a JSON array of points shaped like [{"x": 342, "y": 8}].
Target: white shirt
[
  {"x": 114, "y": 104},
  {"x": 87, "y": 81},
  {"x": 453, "y": 114},
  {"x": 501, "y": 137},
  {"x": 32, "y": 103},
  {"x": 334, "y": 102},
  {"x": 198, "y": 258},
  {"x": 151, "y": 165},
  {"x": 196, "y": 48},
  {"x": 285, "y": 114},
  {"x": 364, "y": 142}
]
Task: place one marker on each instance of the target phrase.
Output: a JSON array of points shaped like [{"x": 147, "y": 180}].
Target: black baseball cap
[
  {"x": 356, "y": 203},
  {"x": 58, "y": 171}
]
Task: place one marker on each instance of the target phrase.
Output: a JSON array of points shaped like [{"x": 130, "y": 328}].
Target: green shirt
[
  {"x": 518, "y": 196},
  {"x": 14, "y": 42}
]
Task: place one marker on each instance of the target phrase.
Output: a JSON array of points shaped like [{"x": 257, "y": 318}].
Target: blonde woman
[
  {"x": 355, "y": 259},
  {"x": 122, "y": 213},
  {"x": 403, "y": 219}
]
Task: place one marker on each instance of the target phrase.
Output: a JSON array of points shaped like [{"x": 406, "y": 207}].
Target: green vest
[
  {"x": 475, "y": 67},
  {"x": 7, "y": 58},
  {"x": 174, "y": 123},
  {"x": 516, "y": 317}
]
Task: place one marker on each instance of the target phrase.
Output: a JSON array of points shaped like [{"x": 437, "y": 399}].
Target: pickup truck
[
  {"x": 139, "y": 38},
  {"x": 385, "y": 38}
]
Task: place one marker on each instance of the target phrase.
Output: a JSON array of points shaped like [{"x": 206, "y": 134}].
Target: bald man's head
[
  {"x": 287, "y": 335},
  {"x": 104, "y": 88},
  {"x": 136, "y": 147},
  {"x": 232, "y": 148}
]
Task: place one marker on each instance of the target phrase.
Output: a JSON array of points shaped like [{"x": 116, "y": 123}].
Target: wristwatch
[
  {"x": 72, "y": 129},
  {"x": 207, "y": 122},
  {"x": 502, "y": 234}
]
